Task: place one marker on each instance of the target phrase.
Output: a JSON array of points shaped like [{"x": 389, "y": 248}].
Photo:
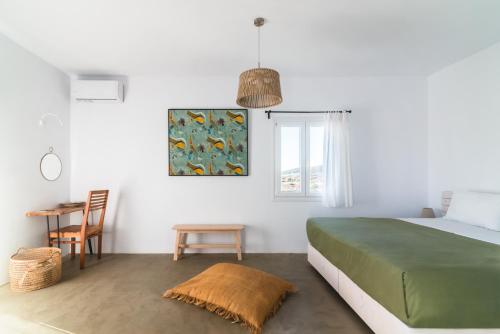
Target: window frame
[{"x": 305, "y": 123}]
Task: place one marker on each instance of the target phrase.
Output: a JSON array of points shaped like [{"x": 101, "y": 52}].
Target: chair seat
[{"x": 73, "y": 231}]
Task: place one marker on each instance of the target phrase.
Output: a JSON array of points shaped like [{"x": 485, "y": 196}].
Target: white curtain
[{"x": 337, "y": 161}]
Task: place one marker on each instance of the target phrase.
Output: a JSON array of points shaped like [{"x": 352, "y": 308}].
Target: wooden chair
[{"x": 97, "y": 200}]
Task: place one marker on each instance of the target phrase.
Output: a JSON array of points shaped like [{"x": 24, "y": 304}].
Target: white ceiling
[{"x": 217, "y": 37}]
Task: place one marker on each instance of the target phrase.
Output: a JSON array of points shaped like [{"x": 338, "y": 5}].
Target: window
[{"x": 298, "y": 158}]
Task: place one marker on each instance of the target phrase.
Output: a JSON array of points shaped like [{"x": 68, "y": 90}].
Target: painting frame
[{"x": 243, "y": 148}]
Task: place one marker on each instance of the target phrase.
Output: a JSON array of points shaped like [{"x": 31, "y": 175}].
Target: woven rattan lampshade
[{"x": 259, "y": 88}]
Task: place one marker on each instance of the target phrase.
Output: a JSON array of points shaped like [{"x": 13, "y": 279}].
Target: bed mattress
[{"x": 426, "y": 277}]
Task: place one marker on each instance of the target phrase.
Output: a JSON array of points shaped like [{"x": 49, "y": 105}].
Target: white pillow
[{"x": 476, "y": 208}]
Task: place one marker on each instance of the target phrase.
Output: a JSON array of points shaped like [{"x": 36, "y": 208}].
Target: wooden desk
[
  {"x": 184, "y": 229},
  {"x": 57, "y": 212}
]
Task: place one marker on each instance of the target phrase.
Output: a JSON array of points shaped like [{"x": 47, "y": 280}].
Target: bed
[{"x": 420, "y": 276}]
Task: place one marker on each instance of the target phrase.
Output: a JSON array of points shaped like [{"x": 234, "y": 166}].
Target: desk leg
[
  {"x": 73, "y": 248},
  {"x": 58, "y": 234},
  {"x": 48, "y": 229}
]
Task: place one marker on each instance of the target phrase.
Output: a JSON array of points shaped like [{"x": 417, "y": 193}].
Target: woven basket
[{"x": 34, "y": 268}]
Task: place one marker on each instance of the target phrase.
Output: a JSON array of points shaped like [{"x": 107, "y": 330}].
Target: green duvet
[{"x": 425, "y": 277}]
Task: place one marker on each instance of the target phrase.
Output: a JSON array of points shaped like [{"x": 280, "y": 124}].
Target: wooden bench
[{"x": 183, "y": 230}]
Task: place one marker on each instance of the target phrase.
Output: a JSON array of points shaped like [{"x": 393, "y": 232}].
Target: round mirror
[{"x": 50, "y": 166}]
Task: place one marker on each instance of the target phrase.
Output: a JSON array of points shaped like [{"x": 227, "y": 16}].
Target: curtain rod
[{"x": 269, "y": 112}]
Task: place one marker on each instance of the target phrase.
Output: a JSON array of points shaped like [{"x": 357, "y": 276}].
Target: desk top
[{"x": 55, "y": 211}]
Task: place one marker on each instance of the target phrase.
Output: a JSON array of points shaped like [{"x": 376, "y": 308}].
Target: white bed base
[{"x": 373, "y": 314}]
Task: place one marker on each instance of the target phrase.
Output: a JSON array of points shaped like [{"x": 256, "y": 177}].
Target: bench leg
[
  {"x": 238, "y": 244},
  {"x": 176, "y": 246},
  {"x": 183, "y": 239}
]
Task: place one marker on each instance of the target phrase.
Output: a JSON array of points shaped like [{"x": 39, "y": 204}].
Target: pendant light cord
[{"x": 258, "y": 46}]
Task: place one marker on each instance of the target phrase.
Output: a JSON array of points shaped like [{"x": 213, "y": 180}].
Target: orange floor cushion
[{"x": 239, "y": 293}]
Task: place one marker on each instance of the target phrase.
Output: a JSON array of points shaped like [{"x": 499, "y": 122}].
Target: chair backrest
[{"x": 97, "y": 200}]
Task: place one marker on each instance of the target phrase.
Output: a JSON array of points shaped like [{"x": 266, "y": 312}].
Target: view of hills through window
[{"x": 290, "y": 180}]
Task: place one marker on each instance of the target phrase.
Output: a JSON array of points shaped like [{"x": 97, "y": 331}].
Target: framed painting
[{"x": 208, "y": 142}]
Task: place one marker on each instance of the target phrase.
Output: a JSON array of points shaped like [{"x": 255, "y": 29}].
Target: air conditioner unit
[{"x": 97, "y": 91}]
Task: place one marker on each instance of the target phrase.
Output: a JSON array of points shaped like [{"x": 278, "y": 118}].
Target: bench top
[{"x": 208, "y": 227}]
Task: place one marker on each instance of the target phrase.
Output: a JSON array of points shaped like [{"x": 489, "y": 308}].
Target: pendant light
[{"x": 259, "y": 87}]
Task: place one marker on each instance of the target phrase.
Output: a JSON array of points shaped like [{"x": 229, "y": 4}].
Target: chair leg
[
  {"x": 99, "y": 246},
  {"x": 82, "y": 253},
  {"x": 73, "y": 248}
]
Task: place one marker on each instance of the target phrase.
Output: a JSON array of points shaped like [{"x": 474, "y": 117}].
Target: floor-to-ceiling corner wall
[
  {"x": 123, "y": 147},
  {"x": 29, "y": 88},
  {"x": 464, "y": 123}
]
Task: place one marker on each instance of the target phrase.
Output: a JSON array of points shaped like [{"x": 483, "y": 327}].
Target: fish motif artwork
[
  {"x": 238, "y": 117},
  {"x": 198, "y": 117},
  {"x": 178, "y": 143},
  {"x": 237, "y": 168},
  {"x": 199, "y": 169},
  {"x": 218, "y": 143},
  {"x": 208, "y": 142}
]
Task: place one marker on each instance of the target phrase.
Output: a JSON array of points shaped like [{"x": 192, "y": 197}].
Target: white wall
[
  {"x": 29, "y": 88},
  {"x": 464, "y": 125},
  {"x": 123, "y": 147}
]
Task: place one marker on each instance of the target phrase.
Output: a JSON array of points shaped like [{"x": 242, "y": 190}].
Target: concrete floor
[{"x": 122, "y": 294}]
